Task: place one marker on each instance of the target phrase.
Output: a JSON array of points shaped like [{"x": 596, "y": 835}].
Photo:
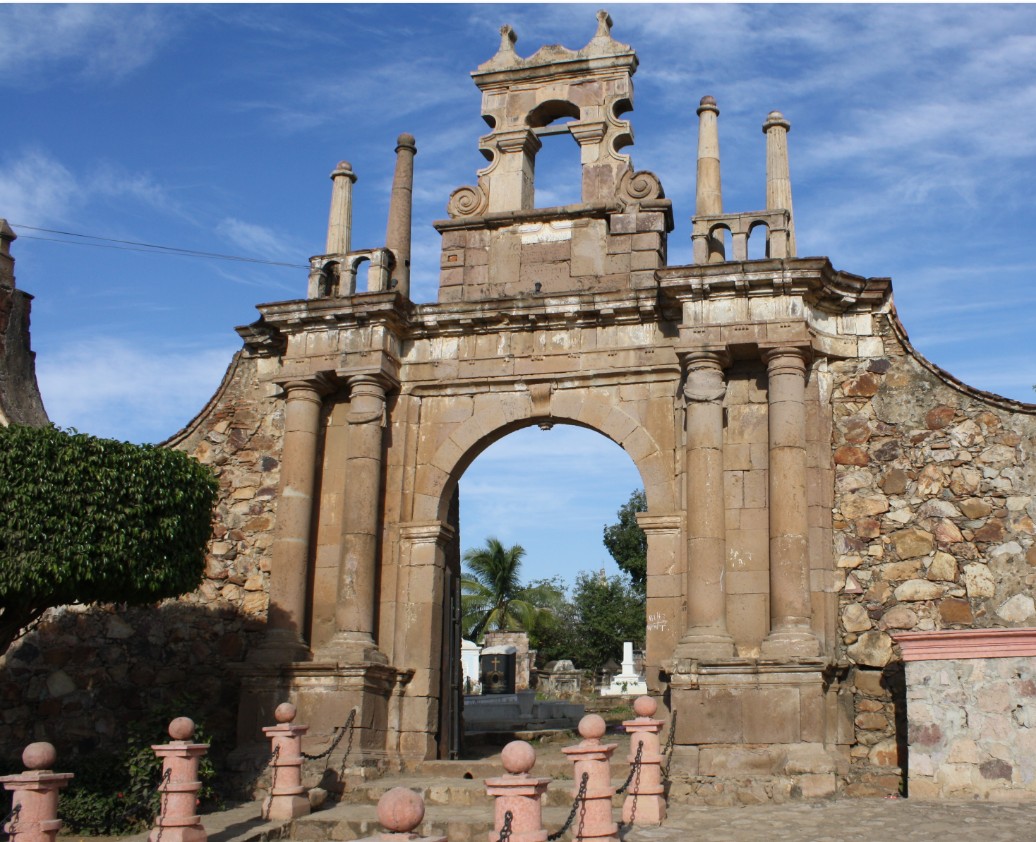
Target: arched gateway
[
  {"x": 711, "y": 377},
  {"x": 736, "y": 386}
]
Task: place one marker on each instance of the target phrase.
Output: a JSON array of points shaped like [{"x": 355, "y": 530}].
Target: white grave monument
[{"x": 628, "y": 682}]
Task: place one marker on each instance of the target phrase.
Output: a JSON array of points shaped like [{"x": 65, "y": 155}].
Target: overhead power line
[{"x": 147, "y": 248}]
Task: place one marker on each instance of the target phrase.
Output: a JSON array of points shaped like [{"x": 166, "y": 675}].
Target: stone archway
[{"x": 713, "y": 378}]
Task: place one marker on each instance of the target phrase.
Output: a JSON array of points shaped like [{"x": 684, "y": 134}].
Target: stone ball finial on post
[
  {"x": 645, "y": 799},
  {"x": 518, "y": 793},
  {"x": 34, "y": 813},
  {"x": 178, "y": 820},
  {"x": 593, "y": 758},
  {"x": 287, "y": 799},
  {"x": 400, "y": 813}
]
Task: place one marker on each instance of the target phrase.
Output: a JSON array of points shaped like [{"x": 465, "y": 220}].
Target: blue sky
[{"x": 214, "y": 128}]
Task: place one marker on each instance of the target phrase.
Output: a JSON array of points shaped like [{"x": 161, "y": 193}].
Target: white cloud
[
  {"x": 115, "y": 388},
  {"x": 36, "y": 189},
  {"x": 97, "y": 42},
  {"x": 257, "y": 240}
]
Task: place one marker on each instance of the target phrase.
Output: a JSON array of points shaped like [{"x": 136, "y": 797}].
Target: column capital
[
  {"x": 427, "y": 532},
  {"x": 517, "y": 140},
  {"x": 703, "y": 369},
  {"x": 786, "y": 358},
  {"x": 312, "y": 387},
  {"x": 651, "y": 522}
]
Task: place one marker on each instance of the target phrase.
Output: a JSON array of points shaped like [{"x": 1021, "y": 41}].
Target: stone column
[
  {"x": 709, "y": 201},
  {"x": 340, "y": 221},
  {"x": 357, "y": 573},
  {"x": 706, "y": 635},
  {"x": 778, "y": 176},
  {"x": 397, "y": 233},
  {"x": 791, "y": 634},
  {"x": 289, "y": 569}
]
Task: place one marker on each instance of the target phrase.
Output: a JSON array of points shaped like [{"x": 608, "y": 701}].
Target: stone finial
[
  {"x": 340, "y": 219},
  {"x": 7, "y": 236},
  {"x": 604, "y": 25},
  {"x": 285, "y": 712},
  {"x": 518, "y": 757},
  {"x": 592, "y": 727},
  {"x": 778, "y": 173},
  {"x": 39, "y": 756},
  {"x": 397, "y": 232},
  {"x": 709, "y": 188},
  {"x": 400, "y": 810},
  {"x": 508, "y": 38},
  {"x": 775, "y": 118},
  {"x": 645, "y": 706},
  {"x": 181, "y": 728},
  {"x": 708, "y": 103}
]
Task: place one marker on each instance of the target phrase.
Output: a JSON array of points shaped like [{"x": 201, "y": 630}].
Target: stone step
[
  {"x": 459, "y": 824},
  {"x": 455, "y": 793},
  {"x": 491, "y": 767}
]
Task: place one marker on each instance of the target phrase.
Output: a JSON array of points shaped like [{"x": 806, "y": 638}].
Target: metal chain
[
  {"x": 10, "y": 822},
  {"x": 668, "y": 750},
  {"x": 505, "y": 831},
  {"x": 634, "y": 769},
  {"x": 339, "y": 732},
  {"x": 580, "y": 802},
  {"x": 166, "y": 775},
  {"x": 273, "y": 781}
]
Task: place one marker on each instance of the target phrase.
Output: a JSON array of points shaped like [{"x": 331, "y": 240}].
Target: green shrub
[{"x": 117, "y": 793}]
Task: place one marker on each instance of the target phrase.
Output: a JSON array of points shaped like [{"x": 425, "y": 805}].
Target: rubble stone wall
[
  {"x": 972, "y": 728},
  {"x": 933, "y": 524},
  {"x": 83, "y": 672}
]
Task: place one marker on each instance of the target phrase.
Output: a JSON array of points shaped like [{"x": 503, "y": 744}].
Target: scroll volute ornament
[{"x": 637, "y": 187}]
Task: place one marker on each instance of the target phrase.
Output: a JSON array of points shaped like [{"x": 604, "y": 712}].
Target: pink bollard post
[
  {"x": 287, "y": 798},
  {"x": 400, "y": 812},
  {"x": 645, "y": 798},
  {"x": 35, "y": 809},
  {"x": 178, "y": 820},
  {"x": 593, "y": 757},
  {"x": 519, "y": 794}
]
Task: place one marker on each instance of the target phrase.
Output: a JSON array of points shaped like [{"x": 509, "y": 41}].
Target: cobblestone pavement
[{"x": 849, "y": 820}]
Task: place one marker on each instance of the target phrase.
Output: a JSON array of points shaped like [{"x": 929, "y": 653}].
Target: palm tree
[{"x": 492, "y": 592}]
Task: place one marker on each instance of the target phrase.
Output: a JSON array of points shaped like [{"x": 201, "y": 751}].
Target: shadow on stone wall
[
  {"x": 81, "y": 675},
  {"x": 894, "y": 680}
]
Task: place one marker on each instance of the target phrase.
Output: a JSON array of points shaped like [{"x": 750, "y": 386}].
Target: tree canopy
[
  {"x": 492, "y": 595},
  {"x": 609, "y": 611},
  {"x": 84, "y": 519},
  {"x": 627, "y": 542}
]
